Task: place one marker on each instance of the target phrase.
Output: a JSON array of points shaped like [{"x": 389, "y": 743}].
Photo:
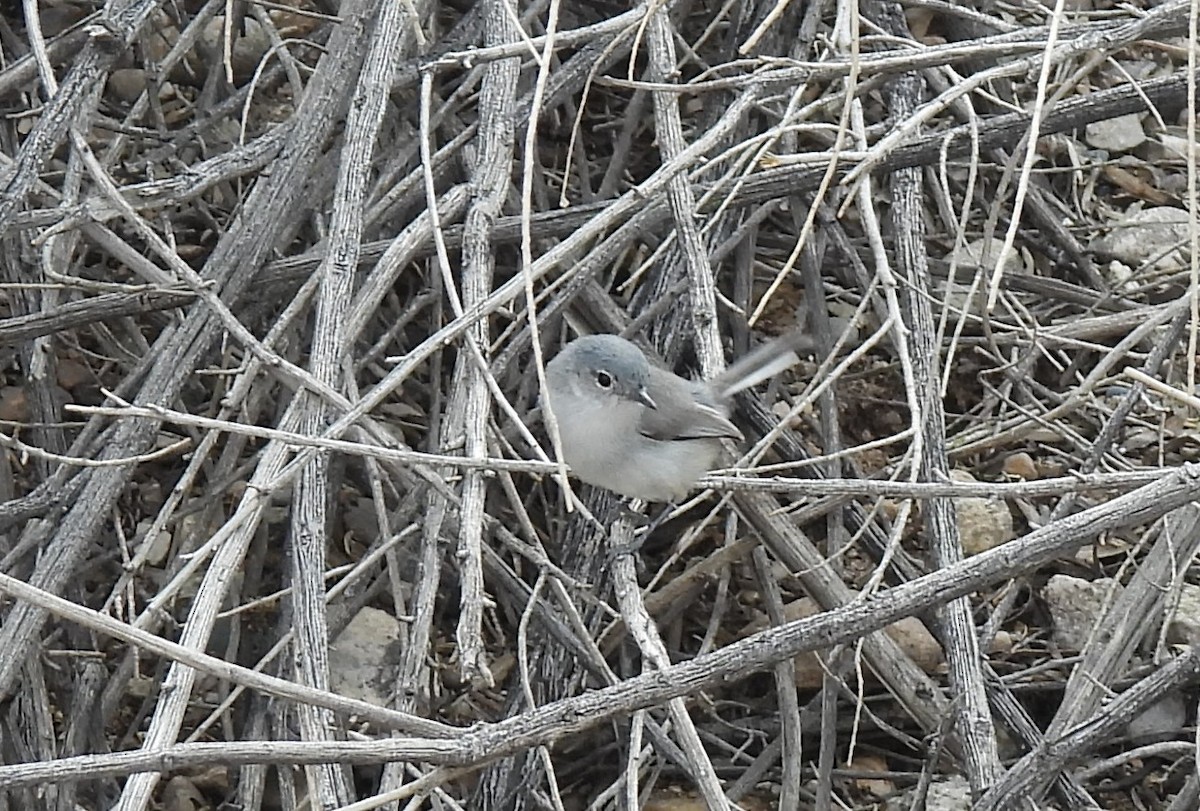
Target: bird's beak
[{"x": 645, "y": 399}]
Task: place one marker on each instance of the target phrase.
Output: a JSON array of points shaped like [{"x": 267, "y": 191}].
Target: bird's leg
[
  {"x": 647, "y": 527},
  {"x": 656, "y": 522}
]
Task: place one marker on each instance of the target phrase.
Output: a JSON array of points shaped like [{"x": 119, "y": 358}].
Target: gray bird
[{"x": 639, "y": 430}]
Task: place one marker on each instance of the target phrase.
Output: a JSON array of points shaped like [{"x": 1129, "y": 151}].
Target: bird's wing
[
  {"x": 702, "y": 423},
  {"x": 684, "y": 412}
]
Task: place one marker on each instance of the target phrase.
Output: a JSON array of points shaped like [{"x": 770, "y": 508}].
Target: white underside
[{"x": 603, "y": 446}]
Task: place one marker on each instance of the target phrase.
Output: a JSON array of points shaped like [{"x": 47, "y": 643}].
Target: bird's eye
[{"x": 604, "y": 380}]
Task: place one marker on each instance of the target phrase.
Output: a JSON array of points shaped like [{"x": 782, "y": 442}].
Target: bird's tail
[{"x": 763, "y": 363}]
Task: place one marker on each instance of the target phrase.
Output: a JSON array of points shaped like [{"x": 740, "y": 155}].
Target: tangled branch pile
[{"x": 281, "y": 525}]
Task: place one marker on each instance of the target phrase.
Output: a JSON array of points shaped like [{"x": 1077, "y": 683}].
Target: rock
[
  {"x": 14, "y": 407},
  {"x": 1119, "y": 275},
  {"x": 1120, "y": 134},
  {"x": 1158, "y": 233},
  {"x": 1002, "y": 644},
  {"x": 157, "y": 546},
  {"x": 180, "y": 794},
  {"x": 250, "y": 45},
  {"x": 909, "y": 633},
  {"x": 1020, "y": 466},
  {"x": 951, "y": 794},
  {"x": 127, "y": 84},
  {"x": 1183, "y": 625},
  {"x": 880, "y": 786},
  {"x": 983, "y": 523},
  {"x": 1075, "y": 605},
  {"x": 72, "y": 374},
  {"x": 1167, "y": 717},
  {"x": 360, "y": 663}
]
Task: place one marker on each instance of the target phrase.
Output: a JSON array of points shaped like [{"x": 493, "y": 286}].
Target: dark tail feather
[{"x": 763, "y": 362}]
